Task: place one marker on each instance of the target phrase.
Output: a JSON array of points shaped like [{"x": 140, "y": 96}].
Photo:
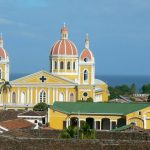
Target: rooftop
[{"x": 98, "y": 108}]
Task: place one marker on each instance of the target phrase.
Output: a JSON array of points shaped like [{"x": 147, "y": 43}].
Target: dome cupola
[
  {"x": 87, "y": 55},
  {"x": 64, "y": 47}
]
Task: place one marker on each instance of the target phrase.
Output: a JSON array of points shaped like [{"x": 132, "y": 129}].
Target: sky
[{"x": 119, "y": 32}]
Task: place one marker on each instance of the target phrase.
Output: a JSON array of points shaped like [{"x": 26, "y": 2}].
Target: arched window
[
  {"x": 61, "y": 97},
  {"x": 13, "y": 97},
  {"x": 85, "y": 75},
  {"x": 68, "y": 65},
  {"x": 42, "y": 96},
  {"x": 23, "y": 98},
  {"x": 61, "y": 65},
  {"x": 0, "y": 74},
  {"x": 71, "y": 97},
  {"x": 74, "y": 65},
  {"x": 55, "y": 64},
  {"x": 86, "y": 59}
]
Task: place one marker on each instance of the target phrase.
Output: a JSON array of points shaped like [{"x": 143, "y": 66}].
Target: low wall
[{"x": 7, "y": 143}]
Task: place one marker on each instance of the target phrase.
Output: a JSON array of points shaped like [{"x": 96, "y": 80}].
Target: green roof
[
  {"x": 123, "y": 127},
  {"x": 98, "y": 108}
]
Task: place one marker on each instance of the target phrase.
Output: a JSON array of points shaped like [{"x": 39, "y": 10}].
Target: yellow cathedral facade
[{"x": 71, "y": 77}]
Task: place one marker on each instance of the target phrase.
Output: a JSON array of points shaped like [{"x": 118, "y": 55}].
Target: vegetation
[
  {"x": 89, "y": 99},
  {"x": 83, "y": 133},
  {"x": 148, "y": 99},
  {"x": 40, "y": 107},
  {"x": 124, "y": 90},
  {"x": 145, "y": 89},
  {"x": 5, "y": 88}
]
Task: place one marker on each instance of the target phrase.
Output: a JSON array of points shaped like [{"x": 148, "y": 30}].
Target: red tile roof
[
  {"x": 16, "y": 124},
  {"x": 33, "y": 113}
]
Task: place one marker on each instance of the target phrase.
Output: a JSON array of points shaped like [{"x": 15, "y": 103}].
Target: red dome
[
  {"x": 64, "y": 47},
  {"x": 86, "y": 53},
  {"x": 3, "y": 53}
]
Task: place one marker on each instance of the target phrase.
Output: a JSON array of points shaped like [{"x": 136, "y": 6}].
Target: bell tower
[{"x": 4, "y": 62}]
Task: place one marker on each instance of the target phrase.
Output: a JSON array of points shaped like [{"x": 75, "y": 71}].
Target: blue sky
[{"x": 119, "y": 31}]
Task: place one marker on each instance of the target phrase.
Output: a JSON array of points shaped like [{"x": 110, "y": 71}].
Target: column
[
  {"x": 18, "y": 95},
  {"x": 36, "y": 95},
  {"x": 9, "y": 101},
  {"x": 100, "y": 125},
  {"x": 65, "y": 65},
  {"x": 53, "y": 95},
  {"x": 28, "y": 95},
  {"x": 48, "y": 99},
  {"x": 110, "y": 124},
  {"x": 145, "y": 122},
  {"x": 56, "y": 94},
  {"x": 31, "y": 96},
  {"x": 67, "y": 94},
  {"x": 94, "y": 124},
  {"x": 79, "y": 122},
  {"x": 58, "y": 65}
]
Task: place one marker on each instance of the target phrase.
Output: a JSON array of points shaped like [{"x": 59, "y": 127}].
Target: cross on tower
[{"x": 42, "y": 78}]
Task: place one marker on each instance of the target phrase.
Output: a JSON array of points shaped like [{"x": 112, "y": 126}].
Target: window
[
  {"x": 61, "y": 65},
  {"x": 61, "y": 97},
  {"x": 74, "y": 65},
  {"x": 86, "y": 59},
  {"x": 68, "y": 65},
  {"x": 139, "y": 112},
  {"x": 85, "y": 94},
  {"x": 85, "y": 75},
  {"x": 0, "y": 58},
  {"x": 13, "y": 97},
  {"x": 97, "y": 125},
  {"x": 55, "y": 64},
  {"x": 0, "y": 74},
  {"x": 42, "y": 96}
]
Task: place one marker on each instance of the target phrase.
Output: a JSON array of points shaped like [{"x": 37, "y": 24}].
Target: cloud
[{"x": 5, "y": 21}]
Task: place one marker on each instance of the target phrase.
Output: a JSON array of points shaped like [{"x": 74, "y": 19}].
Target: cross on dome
[
  {"x": 64, "y": 32},
  {"x": 87, "y": 41}
]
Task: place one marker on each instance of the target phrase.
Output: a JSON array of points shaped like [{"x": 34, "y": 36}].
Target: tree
[
  {"x": 148, "y": 99},
  {"x": 89, "y": 99},
  {"x": 133, "y": 88},
  {"x": 146, "y": 89},
  {"x": 5, "y": 88},
  {"x": 41, "y": 107}
]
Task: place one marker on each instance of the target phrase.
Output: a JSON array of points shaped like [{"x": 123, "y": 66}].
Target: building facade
[{"x": 71, "y": 77}]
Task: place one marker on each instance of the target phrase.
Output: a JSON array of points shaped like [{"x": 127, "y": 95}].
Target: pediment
[{"x": 42, "y": 77}]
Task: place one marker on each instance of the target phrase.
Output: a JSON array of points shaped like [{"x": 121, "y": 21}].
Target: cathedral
[
  {"x": 67, "y": 89},
  {"x": 70, "y": 78}
]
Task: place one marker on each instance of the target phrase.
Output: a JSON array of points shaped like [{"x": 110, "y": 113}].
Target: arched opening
[
  {"x": 61, "y": 65},
  {"x": 85, "y": 75},
  {"x": 55, "y": 64},
  {"x": 71, "y": 97},
  {"x": 90, "y": 122},
  {"x": 13, "y": 97},
  {"x": 23, "y": 98},
  {"x": 74, "y": 121},
  {"x": 105, "y": 124},
  {"x": 74, "y": 65},
  {"x": 61, "y": 97},
  {"x": 68, "y": 65},
  {"x": 42, "y": 96},
  {"x": 121, "y": 122},
  {"x": 86, "y": 59}
]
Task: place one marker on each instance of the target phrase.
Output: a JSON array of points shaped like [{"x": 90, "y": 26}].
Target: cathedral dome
[
  {"x": 3, "y": 53},
  {"x": 64, "y": 46}
]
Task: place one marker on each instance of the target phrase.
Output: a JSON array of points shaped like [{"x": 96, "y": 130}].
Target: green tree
[
  {"x": 133, "y": 88},
  {"x": 5, "y": 88},
  {"x": 146, "y": 89},
  {"x": 89, "y": 99},
  {"x": 40, "y": 107},
  {"x": 148, "y": 99}
]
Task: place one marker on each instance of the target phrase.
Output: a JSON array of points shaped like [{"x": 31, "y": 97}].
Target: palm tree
[{"x": 4, "y": 89}]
